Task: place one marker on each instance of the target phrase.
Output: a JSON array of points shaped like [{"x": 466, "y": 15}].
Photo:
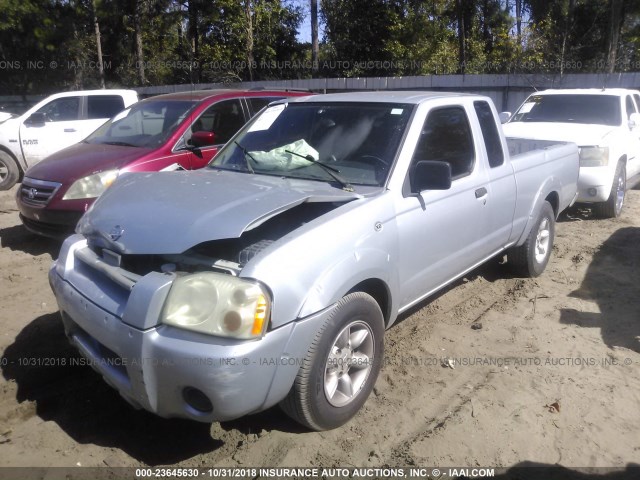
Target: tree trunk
[
  {"x": 99, "y": 45},
  {"x": 137, "y": 21},
  {"x": 315, "y": 48},
  {"x": 565, "y": 34},
  {"x": 615, "y": 24},
  {"x": 519, "y": 21},
  {"x": 461, "y": 36},
  {"x": 249, "y": 39},
  {"x": 192, "y": 11}
]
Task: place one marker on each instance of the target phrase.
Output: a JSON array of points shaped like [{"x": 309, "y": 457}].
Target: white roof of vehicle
[
  {"x": 586, "y": 91},
  {"x": 385, "y": 96}
]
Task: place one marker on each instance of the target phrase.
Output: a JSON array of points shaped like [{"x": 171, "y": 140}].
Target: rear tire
[
  {"x": 613, "y": 206},
  {"x": 531, "y": 258},
  {"x": 9, "y": 171},
  {"x": 341, "y": 366}
]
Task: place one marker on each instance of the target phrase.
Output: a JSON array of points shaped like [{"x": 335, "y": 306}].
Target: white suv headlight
[
  {"x": 91, "y": 186},
  {"x": 594, "y": 156},
  {"x": 217, "y": 304}
]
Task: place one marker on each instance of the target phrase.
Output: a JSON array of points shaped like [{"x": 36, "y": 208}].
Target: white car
[
  {"x": 55, "y": 123},
  {"x": 605, "y": 124}
]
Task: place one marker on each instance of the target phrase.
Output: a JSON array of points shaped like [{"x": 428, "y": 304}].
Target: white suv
[
  {"x": 55, "y": 123},
  {"x": 605, "y": 123}
]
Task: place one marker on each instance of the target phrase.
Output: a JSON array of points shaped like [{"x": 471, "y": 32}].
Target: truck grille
[{"x": 37, "y": 192}]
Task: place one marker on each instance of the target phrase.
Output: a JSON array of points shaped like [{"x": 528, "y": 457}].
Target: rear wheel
[
  {"x": 341, "y": 366},
  {"x": 9, "y": 171},
  {"x": 531, "y": 258},
  {"x": 613, "y": 206}
]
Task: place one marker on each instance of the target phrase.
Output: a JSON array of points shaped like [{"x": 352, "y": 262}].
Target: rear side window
[
  {"x": 489, "y": 133},
  {"x": 258, "y": 103},
  {"x": 104, "y": 106},
  {"x": 446, "y": 137},
  {"x": 62, "y": 109}
]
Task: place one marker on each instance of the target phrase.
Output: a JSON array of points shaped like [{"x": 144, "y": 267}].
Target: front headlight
[
  {"x": 91, "y": 186},
  {"x": 594, "y": 156},
  {"x": 217, "y": 304}
]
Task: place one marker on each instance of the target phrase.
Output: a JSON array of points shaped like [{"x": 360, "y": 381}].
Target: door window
[
  {"x": 224, "y": 119},
  {"x": 630, "y": 106},
  {"x": 446, "y": 137},
  {"x": 258, "y": 103},
  {"x": 62, "y": 109}
]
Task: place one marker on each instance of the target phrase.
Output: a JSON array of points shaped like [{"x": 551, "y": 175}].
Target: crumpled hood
[
  {"x": 578, "y": 133},
  {"x": 170, "y": 212}
]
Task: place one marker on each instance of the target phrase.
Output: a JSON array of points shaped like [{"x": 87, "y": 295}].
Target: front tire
[
  {"x": 341, "y": 366},
  {"x": 531, "y": 258},
  {"x": 613, "y": 206},
  {"x": 9, "y": 171}
]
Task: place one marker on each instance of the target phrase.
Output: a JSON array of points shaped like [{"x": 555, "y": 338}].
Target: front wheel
[
  {"x": 9, "y": 171},
  {"x": 531, "y": 258},
  {"x": 612, "y": 207},
  {"x": 341, "y": 366}
]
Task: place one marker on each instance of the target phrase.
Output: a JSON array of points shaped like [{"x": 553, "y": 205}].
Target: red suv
[{"x": 166, "y": 132}]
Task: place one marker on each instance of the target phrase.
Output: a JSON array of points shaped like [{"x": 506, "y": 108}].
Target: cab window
[
  {"x": 489, "y": 133},
  {"x": 446, "y": 137},
  {"x": 104, "y": 106}
]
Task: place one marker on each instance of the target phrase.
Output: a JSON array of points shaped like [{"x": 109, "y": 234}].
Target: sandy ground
[{"x": 547, "y": 371}]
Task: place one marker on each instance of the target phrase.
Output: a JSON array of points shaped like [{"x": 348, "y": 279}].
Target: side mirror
[
  {"x": 202, "y": 139},
  {"x": 430, "y": 175},
  {"x": 37, "y": 118},
  {"x": 634, "y": 121},
  {"x": 504, "y": 117}
]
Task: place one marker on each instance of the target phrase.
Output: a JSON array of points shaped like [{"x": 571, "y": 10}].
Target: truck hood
[
  {"x": 170, "y": 212},
  {"x": 82, "y": 159},
  {"x": 579, "y": 133}
]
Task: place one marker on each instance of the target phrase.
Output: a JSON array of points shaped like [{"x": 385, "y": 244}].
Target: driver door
[{"x": 60, "y": 129}]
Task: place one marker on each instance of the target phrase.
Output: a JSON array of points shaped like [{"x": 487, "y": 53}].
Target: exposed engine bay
[{"x": 227, "y": 255}]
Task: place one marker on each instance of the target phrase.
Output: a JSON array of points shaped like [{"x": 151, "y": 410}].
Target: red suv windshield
[{"x": 147, "y": 124}]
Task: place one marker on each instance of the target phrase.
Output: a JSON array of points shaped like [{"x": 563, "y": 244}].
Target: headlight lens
[
  {"x": 594, "y": 156},
  {"x": 91, "y": 186},
  {"x": 217, "y": 304}
]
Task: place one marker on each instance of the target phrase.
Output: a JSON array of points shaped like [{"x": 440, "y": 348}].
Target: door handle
[
  {"x": 481, "y": 192},
  {"x": 69, "y": 130}
]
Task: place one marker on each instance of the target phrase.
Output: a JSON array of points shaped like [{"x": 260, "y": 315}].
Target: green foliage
[{"x": 48, "y": 45}]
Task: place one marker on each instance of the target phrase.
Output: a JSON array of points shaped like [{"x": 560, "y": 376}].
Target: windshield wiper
[
  {"x": 120, "y": 144},
  {"x": 247, "y": 154},
  {"x": 346, "y": 186}
]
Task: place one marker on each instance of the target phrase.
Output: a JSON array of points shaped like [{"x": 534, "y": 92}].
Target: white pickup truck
[
  {"x": 55, "y": 123},
  {"x": 270, "y": 275},
  {"x": 605, "y": 124}
]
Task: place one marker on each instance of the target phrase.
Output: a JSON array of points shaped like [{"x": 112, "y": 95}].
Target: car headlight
[
  {"x": 91, "y": 186},
  {"x": 217, "y": 304},
  {"x": 594, "y": 156}
]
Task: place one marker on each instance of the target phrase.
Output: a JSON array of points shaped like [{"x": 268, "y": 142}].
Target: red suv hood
[{"x": 82, "y": 159}]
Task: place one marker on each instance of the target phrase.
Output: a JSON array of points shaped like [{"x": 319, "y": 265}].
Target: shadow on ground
[
  {"x": 19, "y": 238},
  {"x": 539, "y": 471},
  {"x": 89, "y": 411},
  {"x": 612, "y": 281}
]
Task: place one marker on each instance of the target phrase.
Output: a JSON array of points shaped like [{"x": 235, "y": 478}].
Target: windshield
[
  {"x": 595, "y": 109},
  {"x": 347, "y": 143},
  {"x": 146, "y": 124}
]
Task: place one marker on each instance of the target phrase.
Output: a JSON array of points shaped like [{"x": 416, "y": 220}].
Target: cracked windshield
[{"x": 334, "y": 143}]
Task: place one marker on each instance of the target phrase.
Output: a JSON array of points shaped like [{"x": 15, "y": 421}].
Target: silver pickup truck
[{"x": 270, "y": 276}]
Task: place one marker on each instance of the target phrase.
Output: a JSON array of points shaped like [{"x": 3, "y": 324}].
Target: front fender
[{"x": 350, "y": 270}]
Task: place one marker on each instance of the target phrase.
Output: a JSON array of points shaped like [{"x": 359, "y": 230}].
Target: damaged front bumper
[{"x": 167, "y": 370}]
